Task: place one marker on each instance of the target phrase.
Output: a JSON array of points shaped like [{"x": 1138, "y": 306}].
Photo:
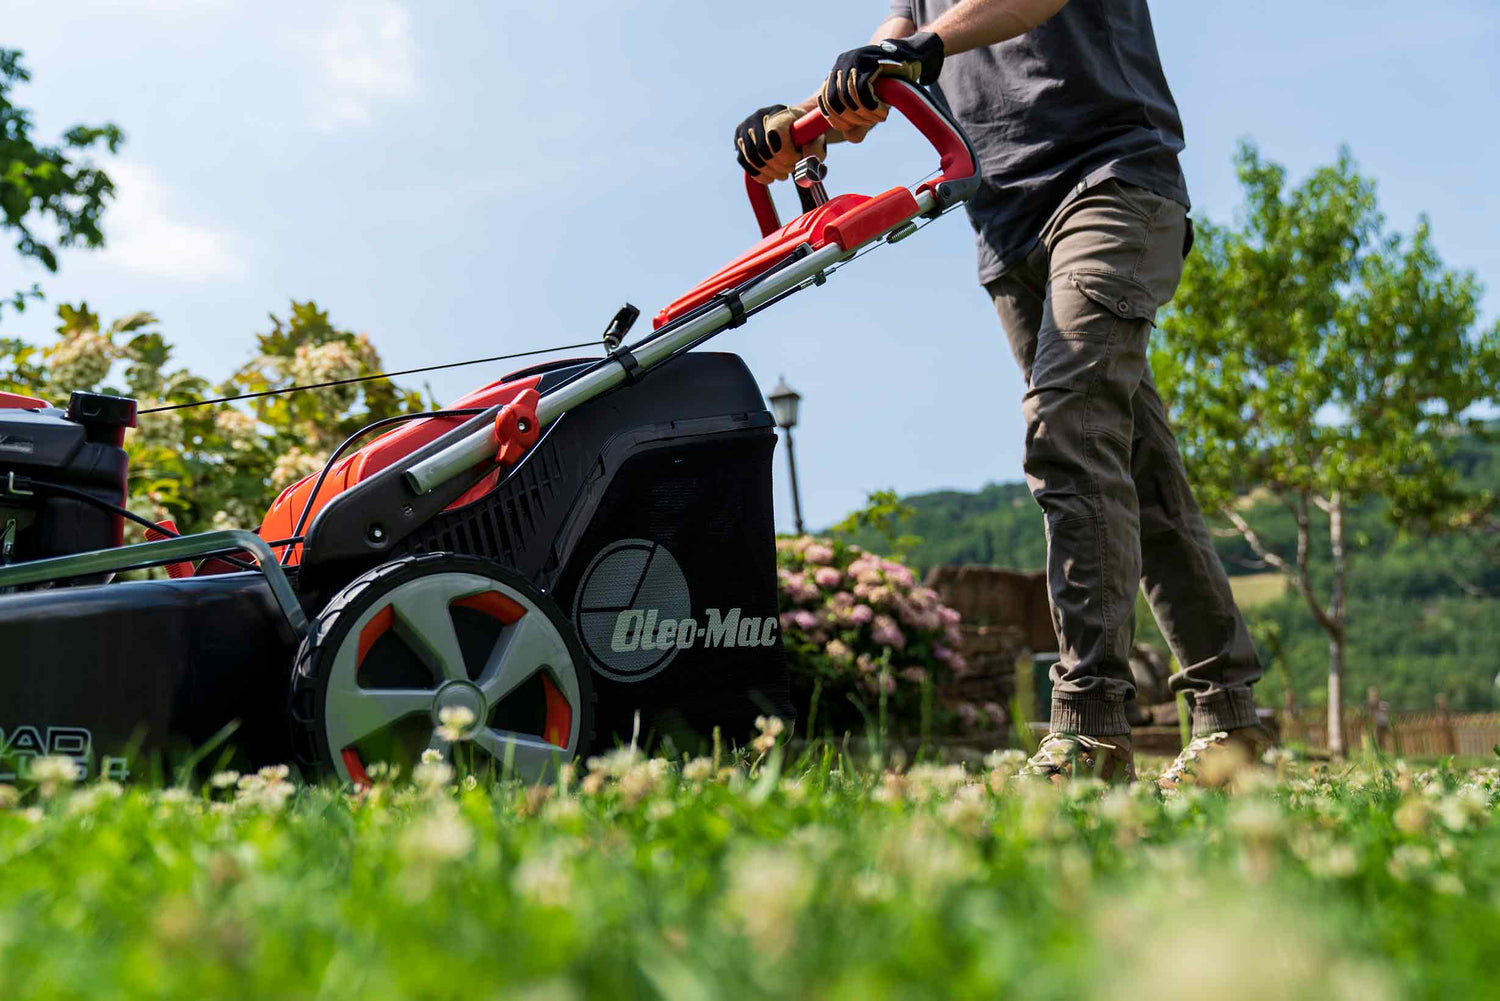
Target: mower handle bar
[{"x": 959, "y": 164}]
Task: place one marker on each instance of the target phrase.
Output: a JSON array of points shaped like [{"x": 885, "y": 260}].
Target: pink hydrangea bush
[{"x": 859, "y": 624}]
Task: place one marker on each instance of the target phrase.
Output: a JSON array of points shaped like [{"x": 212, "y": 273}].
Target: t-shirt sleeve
[{"x": 904, "y": 8}]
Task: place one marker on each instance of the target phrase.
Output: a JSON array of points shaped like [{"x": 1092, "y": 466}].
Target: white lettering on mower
[
  {"x": 639, "y": 629},
  {"x": 24, "y": 744}
]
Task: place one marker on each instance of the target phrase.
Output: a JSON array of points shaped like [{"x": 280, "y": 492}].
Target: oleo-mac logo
[{"x": 634, "y": 613}]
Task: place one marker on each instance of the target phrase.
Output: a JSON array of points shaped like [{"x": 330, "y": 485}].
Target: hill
[{"x": 1424, "y": 609}]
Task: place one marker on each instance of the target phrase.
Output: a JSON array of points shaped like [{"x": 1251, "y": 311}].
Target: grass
[
  {"x": 1256, "y": 589},
  {"x": 820, "y": 878}
]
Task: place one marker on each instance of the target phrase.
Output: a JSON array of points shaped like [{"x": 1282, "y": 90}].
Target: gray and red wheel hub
[{"x": 439, "y": 637}]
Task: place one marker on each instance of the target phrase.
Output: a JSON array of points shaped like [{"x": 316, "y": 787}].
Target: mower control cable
[
  {"x": 366, "y": 378},
  {"x": 297, "y": 532}
]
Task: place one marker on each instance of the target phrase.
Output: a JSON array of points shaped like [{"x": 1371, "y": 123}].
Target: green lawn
[
  {"x": 825, "y": 879},
  {"x": 1256, "y": 589}
]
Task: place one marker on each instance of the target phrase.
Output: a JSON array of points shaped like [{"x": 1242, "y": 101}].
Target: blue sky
[{"x": 462, "y": 179}]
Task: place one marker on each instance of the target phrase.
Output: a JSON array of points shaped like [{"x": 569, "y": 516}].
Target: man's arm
[{"x": 973, "y": 24}]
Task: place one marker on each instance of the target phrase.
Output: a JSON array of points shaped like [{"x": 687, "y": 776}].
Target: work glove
[
  {"x": 764, "y": 141},
  {"x": 848, "y": 98}
]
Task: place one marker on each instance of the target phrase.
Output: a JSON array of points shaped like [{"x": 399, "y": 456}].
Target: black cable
[
  {"x": 368, "y": 378},
  {"x": 333, "y": 457},
  {"x": 124, "y": 512}
]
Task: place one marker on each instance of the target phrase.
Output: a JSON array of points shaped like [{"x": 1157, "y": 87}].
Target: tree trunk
[{"x": 1336, "y": 615}]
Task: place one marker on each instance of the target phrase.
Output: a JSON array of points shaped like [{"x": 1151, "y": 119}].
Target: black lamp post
[{"x": 784, "y": 403}]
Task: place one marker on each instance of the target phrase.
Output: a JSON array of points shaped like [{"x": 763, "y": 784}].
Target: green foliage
[
  {"x": 1309, "y": 353},
  {"x": 220, "y": 465},
  {"x": 809, "y": 878},
  {"x": 882, "y": 518},
  {"x": 46, "y": 184}
]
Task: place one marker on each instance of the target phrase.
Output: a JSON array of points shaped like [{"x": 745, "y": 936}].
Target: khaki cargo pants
[{"x": 1103, "y": 464}]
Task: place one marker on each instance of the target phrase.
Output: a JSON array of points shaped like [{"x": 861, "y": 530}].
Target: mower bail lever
[{"x": 959, "y": 163}]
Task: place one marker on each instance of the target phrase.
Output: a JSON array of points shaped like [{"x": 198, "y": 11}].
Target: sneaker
[
  {"x": 1212, "y": 760},
  {"x": 1063, "y": 756}
]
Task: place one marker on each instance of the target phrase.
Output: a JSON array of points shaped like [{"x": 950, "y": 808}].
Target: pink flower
[
  {"x": 996, "y": 714},
  {"x": 865, "y": 663},
  {"x": 885, "y": 632},
  {"x": 862, "y": 590},
  {"x": 838, "y": 651},
  {"x": 953, "y": 636},
  {"x": 950, "y": 617},
  {"x": 967, "y": 713},
  {"x": 939, "y": 652},
  {"x": 879, "y": 595},
  {"x": 787, "y": 621},
  {"x": 842, "y": 600},
  {"x": 913, "y": 674},
  {"x": 828, "y": 577},
  {"x": 959, "y": 666},
  {"x": 818, "y": 552},
  {"x": 898, "y": 574},
  {"x": 805, "y": 620},
  {"x": 861, "y": 615}
]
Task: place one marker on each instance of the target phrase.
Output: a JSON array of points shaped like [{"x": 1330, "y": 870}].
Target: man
[{"x": 1082, "y": 229}]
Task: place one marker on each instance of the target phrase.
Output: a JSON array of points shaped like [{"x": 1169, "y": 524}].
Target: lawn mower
[{"x": 579, "y": 553}]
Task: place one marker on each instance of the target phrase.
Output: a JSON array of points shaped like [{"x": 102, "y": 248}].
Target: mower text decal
[
  {"x": 24, "y": 744},
  {"x": 639, "y": 630},
  {"x": 634, "y": 613}
]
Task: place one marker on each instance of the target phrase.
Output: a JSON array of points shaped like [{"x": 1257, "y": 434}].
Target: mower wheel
[{"x": 446, "y": 653}]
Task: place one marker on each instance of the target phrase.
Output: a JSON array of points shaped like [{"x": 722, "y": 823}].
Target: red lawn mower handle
[{"x": 960, "y": 166}]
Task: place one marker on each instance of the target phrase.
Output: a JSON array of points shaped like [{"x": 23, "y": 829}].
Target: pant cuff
[
  {"x": 1229, "y": 709},
  {"x": 1090, "y": 717}
]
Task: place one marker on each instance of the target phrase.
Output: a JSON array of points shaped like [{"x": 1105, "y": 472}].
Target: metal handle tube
[
  {"x": 148, "y": 554},
  {"x": 480, "y": 446}
]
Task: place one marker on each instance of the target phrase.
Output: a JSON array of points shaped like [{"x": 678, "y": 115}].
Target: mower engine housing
[{"x": 78, "y": 448}]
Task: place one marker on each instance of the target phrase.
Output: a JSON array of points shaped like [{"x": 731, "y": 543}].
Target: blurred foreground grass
[{"x": 641, "y": 878}]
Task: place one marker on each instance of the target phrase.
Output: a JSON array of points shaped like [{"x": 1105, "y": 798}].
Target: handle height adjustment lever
[{"x": 809, "y": 174}]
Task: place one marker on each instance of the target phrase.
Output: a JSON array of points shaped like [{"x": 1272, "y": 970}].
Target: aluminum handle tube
[{"x": 480, "y": 446}]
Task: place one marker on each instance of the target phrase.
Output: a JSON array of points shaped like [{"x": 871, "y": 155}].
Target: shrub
[{"x": 867, "y": 645}]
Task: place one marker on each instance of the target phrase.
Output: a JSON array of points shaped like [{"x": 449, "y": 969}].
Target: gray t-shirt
[{"x": 1076, "y": 100}]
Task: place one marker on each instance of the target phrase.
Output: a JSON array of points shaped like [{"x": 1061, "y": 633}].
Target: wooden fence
[{"x": 1431, "y": 734}]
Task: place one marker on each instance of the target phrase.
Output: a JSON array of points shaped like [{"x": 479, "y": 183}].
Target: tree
[
  {"x": 1312, "y": 358},
  {"x": 47, "y": 183},
  {"x": 214, "y": 466}
]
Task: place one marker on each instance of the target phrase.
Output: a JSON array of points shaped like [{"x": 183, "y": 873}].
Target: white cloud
[
  {"x": 366, "y": 56},
  {"x": 146, "y": 235}
]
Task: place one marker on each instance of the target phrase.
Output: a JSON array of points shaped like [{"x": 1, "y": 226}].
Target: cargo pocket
[{"x": 1123, "y": 297}]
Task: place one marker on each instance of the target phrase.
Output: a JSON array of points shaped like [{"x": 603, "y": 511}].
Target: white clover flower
[
  {"x": 52, "y": 773},
  {"x": 456, "y": 724},
  {"x": 432, "y": 775},
  {"x": 545, "y": 879},
  {"x": 767, "y": 891},
  {"x": 431, "y": 756},
  {"x": 1448, "y": 884},
  {"x": 224, "y": 780},
  {"x": 698, "y": 770},
  {"x": 1413, "y": 815},
  {"x": 616, "y": 763},
  {"x": 1338, "y": 862},
  {"x": 94, "y": 796},
  {"x": 439, "y": 836},
  {"x": 644, "y": 779},
  {"x": 10, "y": 797},
  {"x": 965, "y": 812},
  {"x": 1007, "y": 760},
  {"x": 1408, "y": 861}
]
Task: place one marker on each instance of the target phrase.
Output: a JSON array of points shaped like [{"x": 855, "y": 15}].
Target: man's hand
[
  {"x": 848, "y": 96},
  {"x": 764, "y": 141}
]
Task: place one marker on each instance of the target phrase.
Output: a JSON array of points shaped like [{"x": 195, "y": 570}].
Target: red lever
[
  {"x": 516, "y": 427},
  {"x": 954, "y": 152},
  {"x": 176, "y": 571}
]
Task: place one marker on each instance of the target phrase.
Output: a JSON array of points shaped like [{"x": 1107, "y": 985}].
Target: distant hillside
[{"x": 1424, "y": 611}]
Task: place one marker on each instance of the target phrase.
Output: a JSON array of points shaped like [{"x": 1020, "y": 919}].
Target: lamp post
[{"x": 784, "y": 403}]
